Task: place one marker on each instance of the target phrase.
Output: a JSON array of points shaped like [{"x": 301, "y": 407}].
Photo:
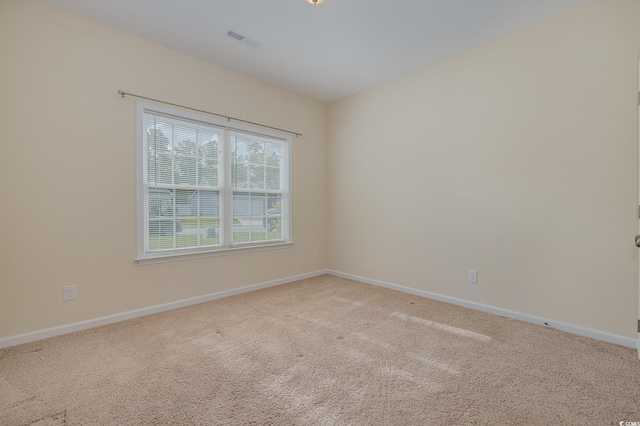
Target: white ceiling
[{"x": 327, "y": 51}]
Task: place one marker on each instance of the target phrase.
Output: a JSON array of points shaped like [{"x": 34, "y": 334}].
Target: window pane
[
  {"x": 208, "y": 143},
  {"x": 158, "y": 151},
  {"x": 185, "y": 168},
  {"x": 241, "y": 206},
  {"x": 256, "y": 217},
  {"x": 273, "y": 222},
  {"x": 273, "y": 201},
  {"x": 208, "y": 173},
  {"x": 255, "y": 152},
  {"x": 272, "y": 154},
  {"x": 184, "y": 139},
  {"x": 258, "y": 204},
  {"x": 272, "y": 178},
  {"x": 256, "y": 177},
  {"x": 160, "y": 242},
  {"x": 209, "y": 218},
  {"x": 164, "y": 168},
  {"x": 258, "y": 232},
  {"x": 161, "y": 224},
  {"x": 187, "y": 221},
  {"x": 209, "y": 204},
  {"x": 272, "y": 161},
  {"x": 239, "y": 165},
  {"x": 185, "y": 154},
  {"x": 207, "y": 158},
  {"x": 186, "y": 203},
  {"x": 241, "y": 217},
  {"x": 151, "y": 169}
]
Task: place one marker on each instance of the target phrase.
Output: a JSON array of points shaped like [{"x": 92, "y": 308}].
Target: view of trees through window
[{"x": 196, "y": 174}]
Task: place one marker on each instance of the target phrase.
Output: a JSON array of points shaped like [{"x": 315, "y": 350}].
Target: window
[{"x": 205, "y": 187}]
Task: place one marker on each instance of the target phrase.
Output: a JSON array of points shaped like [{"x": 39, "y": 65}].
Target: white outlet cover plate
[{"x": 69, "y": 292}]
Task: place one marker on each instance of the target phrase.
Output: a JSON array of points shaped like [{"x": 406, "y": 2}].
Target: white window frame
[{"x": 226, "y": 223}]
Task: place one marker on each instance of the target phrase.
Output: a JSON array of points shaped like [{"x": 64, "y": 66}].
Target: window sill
[{"x": 177, "y": 257}]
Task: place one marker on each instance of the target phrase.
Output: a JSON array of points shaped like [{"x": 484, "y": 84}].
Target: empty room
[{"x": 331, "y": 212}]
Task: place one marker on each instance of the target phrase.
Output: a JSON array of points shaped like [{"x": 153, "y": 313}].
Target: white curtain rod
[{"x": 123, "y": 94}]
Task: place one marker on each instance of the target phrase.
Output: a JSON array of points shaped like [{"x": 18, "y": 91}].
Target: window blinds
[{"x": 210, "y": 187}]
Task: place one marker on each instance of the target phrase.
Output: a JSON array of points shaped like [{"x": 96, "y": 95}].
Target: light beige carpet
[{"x": 323, "y": 351}]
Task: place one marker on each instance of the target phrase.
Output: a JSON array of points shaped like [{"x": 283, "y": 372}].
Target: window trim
[{"x": 143, "y": 257}]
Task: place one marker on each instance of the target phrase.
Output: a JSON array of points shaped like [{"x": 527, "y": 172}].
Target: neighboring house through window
[{"x": 207, "y": 186}]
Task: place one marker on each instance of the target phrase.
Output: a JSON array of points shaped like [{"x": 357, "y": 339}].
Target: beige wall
[
  {"x": 67, "y": 167},
  {"x": 517, "y": 159}
]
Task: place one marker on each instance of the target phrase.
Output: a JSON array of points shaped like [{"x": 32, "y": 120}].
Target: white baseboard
[
  {"x": 110, "y": 319},
  {"x": 569, "y": 328}
]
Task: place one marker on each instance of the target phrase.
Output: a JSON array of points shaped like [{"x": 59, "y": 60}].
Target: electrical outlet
[
  {"x": 69, "y": 292},
  {"x": 314, "y": 254},
  {"x": 473, "y": 276}
]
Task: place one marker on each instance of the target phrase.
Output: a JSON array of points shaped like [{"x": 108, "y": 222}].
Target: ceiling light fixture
[{"x": 314, "y": 1}]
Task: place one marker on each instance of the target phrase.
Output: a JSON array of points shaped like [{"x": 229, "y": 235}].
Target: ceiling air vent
[{"x": 244, "y": 40}]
